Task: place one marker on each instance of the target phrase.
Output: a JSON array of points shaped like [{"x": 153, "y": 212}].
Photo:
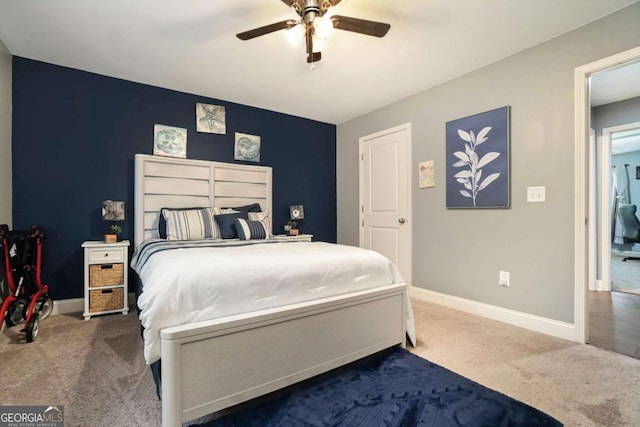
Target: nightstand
[
  {"x": 105, "y": 278},
  {"x": 287, "y": 238}
]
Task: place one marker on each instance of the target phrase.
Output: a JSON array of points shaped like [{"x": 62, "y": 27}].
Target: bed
[{"x": 216, "y": 358}]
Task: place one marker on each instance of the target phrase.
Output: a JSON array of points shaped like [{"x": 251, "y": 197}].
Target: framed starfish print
[{"x": 211, "y": 118}]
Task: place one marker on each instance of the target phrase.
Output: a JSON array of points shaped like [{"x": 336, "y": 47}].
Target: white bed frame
[{"x": 212, "y": 365}]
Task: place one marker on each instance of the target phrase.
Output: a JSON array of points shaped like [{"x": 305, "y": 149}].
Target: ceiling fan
[{"x": 315, "y": 26}]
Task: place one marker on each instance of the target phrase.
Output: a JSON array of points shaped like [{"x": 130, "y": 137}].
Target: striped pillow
[
  {"x": 191, "y": 224},
  {"x": 263, "y": 217},
  {"x": 250, "y": 230}
]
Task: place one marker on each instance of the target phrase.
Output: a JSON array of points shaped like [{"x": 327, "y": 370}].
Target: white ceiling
[
  {"x": 190, "y": 46},
  {"x": 616, "y": 84},
  {"x": 613, "y": 85},
  {"x": 625, "y": 142}
]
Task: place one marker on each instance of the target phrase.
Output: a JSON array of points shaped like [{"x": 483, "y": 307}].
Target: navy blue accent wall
[{"x": 75, "y": 135}]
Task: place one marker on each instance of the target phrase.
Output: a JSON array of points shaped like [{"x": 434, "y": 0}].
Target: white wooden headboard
[{"x": 167, "y": 182}]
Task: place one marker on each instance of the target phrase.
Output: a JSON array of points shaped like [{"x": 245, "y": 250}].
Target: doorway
[
  {"x": 586, "y": 238},
  {"x": 618, "y": 156},
  {"x": 614, "y": 307},
  {"x": 583, "y": 239}
]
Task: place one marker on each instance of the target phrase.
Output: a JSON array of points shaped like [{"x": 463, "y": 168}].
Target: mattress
[{"x": 191, "y": 281}]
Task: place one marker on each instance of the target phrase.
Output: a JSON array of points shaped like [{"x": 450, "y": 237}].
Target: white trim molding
[
  {"x": 604, "y": 153},
  {"x": 76, "y": 305},
  {"x": 532, "y": 322}
]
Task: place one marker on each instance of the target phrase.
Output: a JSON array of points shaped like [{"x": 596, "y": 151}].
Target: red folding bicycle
[{"x": 25, "y": 298}]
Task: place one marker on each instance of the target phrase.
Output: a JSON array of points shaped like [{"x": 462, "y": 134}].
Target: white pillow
[
  {"x": 191, "y": 224},
  {"x": 227, "y": 211}
]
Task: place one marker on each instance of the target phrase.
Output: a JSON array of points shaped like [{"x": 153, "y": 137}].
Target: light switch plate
[{"x": 504, "y": 278}]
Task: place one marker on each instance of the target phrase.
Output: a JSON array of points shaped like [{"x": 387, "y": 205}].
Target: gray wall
[
  {"x": 615, "y": 114},
  {"x": 459, "y": 252},
  {"x": 5, "y": 135}
]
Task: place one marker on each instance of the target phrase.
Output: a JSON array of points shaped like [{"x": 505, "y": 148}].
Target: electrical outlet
[
  {"x": 536, "y": 194},
  {"x": 504, "y": 278}
]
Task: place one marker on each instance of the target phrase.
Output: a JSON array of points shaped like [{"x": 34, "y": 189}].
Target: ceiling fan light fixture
[
  {"x": 295, "y": 35},
  {"x": 323, "y": 27},
  {"x": 319, "y": 44}
]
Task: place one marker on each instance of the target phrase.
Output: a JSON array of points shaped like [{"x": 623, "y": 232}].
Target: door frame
[
  {"x": 605, "y": 151},
  {"x": 361, "y": 142},
  {"x": 602, "y": 152},
  {"x": 582, "y": 237},
  {"x": 594, "y": 283}
]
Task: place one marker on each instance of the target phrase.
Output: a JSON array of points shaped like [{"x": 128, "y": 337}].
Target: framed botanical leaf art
[{"x": 478, "y": 160}]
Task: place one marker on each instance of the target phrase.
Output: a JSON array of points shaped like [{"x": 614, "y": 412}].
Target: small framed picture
[
  {"x": 247, "y": 147},
  {"x": 112, "y": 210},
  {"x": 426, "y": 174},
  {"x": 211, "y": 118},
  {"x": 169, "y": 141},
  {"x": 296, "y": 212}
]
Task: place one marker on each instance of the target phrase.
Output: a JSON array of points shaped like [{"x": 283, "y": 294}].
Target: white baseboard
[
  {"x": 524, "y": 320},
  {"x": 596, "y": 285},
  {"x": 65, "y": 306},
  {"x": 74, "y": 305}
]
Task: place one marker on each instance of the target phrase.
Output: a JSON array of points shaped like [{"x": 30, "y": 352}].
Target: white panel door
[{"x": 385, "y": 195}]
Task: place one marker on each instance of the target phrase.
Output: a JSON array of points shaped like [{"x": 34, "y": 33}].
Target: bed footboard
[{"x": 212, "y": 365}]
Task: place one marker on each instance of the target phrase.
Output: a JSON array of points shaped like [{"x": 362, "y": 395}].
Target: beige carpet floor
[{"x": 96, "y": 370}]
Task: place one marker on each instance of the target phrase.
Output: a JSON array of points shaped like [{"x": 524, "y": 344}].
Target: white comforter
[{"x": 194, "y": 284}]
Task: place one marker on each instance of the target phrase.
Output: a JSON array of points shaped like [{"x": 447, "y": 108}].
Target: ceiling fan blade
[
  {"x": 314, "y": 57},
  {"x": 362, "y": 26},
  {"x": 256, "y": 32}
]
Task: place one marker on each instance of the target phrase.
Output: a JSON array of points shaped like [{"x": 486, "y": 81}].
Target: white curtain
[{"x": 619, "y": 195}]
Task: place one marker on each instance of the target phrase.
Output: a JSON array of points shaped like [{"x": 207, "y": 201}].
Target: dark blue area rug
[{"x": 391, "y": 388}]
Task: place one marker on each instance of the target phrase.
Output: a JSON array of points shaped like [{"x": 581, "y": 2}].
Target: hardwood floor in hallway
[{"x": 614, "y": 322}]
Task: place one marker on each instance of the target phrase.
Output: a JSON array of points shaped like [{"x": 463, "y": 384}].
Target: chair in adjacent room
[{"x": 630, "y": 225}]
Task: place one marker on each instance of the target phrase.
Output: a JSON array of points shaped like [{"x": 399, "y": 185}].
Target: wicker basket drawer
[
  {"x": 106, "y": 299},
  {"x": 106, "y": 275}
]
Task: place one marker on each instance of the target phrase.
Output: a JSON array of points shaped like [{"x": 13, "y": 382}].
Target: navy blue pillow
[
  {"x": 227, "y": 224},
  {"x": 254, "y": 207}
]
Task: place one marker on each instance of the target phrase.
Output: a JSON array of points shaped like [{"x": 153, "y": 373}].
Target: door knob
[{"x": 402, "y": 220}]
